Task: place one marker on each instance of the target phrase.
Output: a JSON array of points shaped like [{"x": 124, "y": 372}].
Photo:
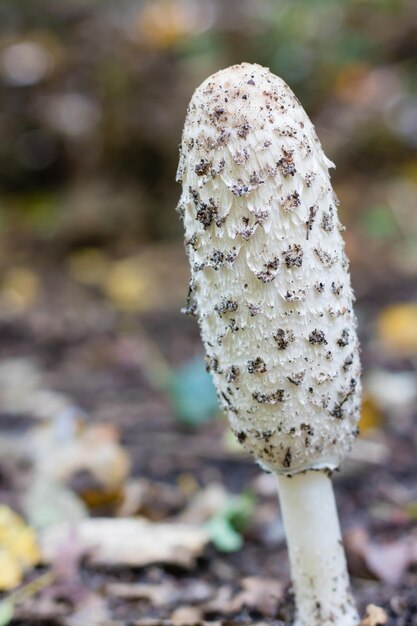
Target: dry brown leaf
[
  {"x": 164, "y": 593},
  {"x": 131, "y": 542},
  {"x": 147, "y": 498},
  {"x": 387, "y": 561},
  {"x": 161, "y": 594},
  {"x": 92, "y": 611},
  {"x": 205, "y": 504},
  {"x": 94, "y": 448},
  {"x": 221, "y": 602},
  {"x": 262, "y": 594},
  {"x": 186, "y": 616},
  {"x": 375, "y": 616}
]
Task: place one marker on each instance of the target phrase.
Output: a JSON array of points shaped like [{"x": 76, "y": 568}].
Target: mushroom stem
[{"x": 317, "y": 558}]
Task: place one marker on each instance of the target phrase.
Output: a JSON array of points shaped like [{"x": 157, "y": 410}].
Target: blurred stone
[
  {"x": 25, "y": 63},
  {"x": 74, "y": 114}
]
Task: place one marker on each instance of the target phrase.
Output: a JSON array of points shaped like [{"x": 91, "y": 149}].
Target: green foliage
[
  {"x": 6, "y": 612},
  {"x": 226, "y": 526},
  {"x": 379, "y": 222}
]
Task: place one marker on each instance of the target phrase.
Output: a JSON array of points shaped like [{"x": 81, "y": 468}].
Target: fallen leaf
[
  {"x": 128, "y": 285},
  {"x": 10, "y": 571},
  {"x": 20, "y": 288},
  {"x": 148, "y": 498},
  {"x": 206, "y": 503},
  {"x": 386, "y": 561},
  {"x": 92, "y": 610},
  {"x": 160, "y": 595},
  {"x": 18, "y": 548},
  {"x": 262, "y": 594},
  {"x": 88, "y": 266},
  {"x": 397, "y": 328},
  {"x": 149, "y": 621},
  {"x": 132, "y": 542},
  {"x": 375, "y": 616},
  {"x": 165, "y": 593},
  {"x": 221, "y": 601},
  {"x": 390, "y": 561},
  {"x": 371, "y": 415},
  {"x": 186, "y": 616},
  {"x": 94, "y": 448}
]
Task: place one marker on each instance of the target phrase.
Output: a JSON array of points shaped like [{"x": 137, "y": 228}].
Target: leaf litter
[{"x": 86, "y": 431}]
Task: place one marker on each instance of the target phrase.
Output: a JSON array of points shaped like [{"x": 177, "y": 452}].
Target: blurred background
[{"x": 105, "y": 405}]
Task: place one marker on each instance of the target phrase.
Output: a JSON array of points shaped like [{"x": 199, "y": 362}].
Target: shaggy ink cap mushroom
[
  {"x": 270, "y": 279},
  {"x": 271, "y": 290}
]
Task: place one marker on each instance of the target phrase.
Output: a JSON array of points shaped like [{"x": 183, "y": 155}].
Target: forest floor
[{"x": 88, "y": 430}]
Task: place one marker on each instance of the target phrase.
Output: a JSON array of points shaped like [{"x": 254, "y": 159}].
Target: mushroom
[{"x": 270, "y": 287}]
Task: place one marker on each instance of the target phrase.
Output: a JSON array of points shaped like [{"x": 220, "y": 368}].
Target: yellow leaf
[
  {"x": 99, "y": 498},
  {"x": 187, "y": 484},
  {"x": 397, "y": 328},
  {"x": 371, "y": 416},
  {"x": 10, "y": 571},
  {"x": 162, "y": 23},
  {"x": 88, "y": 267},
  {"x": 18, "y": 548},
  {"x": 127, "y": 286},
  {"x": 20, "y": 288}
]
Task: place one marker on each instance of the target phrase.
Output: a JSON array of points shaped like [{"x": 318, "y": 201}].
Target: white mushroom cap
[{"x": 270, "y": 282}]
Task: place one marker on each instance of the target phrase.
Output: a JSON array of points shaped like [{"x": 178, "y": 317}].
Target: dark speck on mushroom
[
  {"x": 293, "y": 257},
  {"x": 343, "y": 339},
  {"x": 202, "y": 167},
  {"x": 256, "y": 366},
  {"x": 317, "y": 337},
  {"x": 283, "y": 338}
]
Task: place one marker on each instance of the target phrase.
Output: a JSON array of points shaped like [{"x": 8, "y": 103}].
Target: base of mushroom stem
[{"x": 317, "y": 558}]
